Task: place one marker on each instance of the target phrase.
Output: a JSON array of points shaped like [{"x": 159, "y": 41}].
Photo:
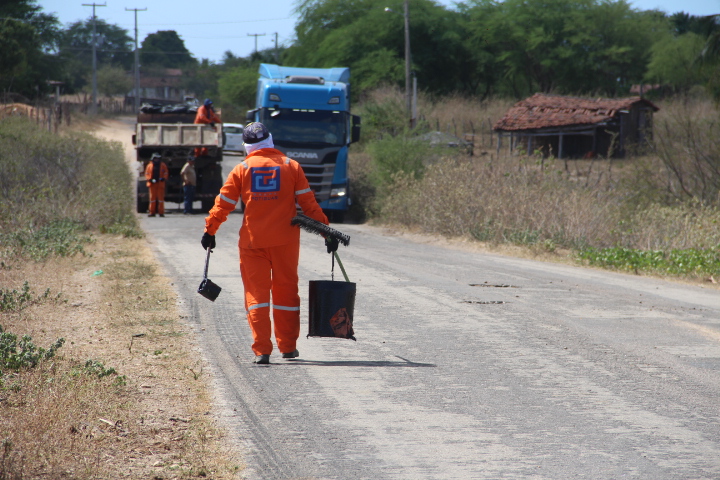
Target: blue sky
[{"x": 212, "y": 27}]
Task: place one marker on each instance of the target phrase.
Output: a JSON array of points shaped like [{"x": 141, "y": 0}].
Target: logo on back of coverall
[{"x": 265, "y": 179}]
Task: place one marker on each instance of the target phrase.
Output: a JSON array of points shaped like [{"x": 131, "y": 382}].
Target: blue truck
[{"x": 307, "y": 111}]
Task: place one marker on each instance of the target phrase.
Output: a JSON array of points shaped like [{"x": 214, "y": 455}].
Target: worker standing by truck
[
  {"x": 206, "y": 114},
  {"x": 156, "y": 174},
  {"x": 269, "y": 183},
  {"x": 189, "y": 179}
]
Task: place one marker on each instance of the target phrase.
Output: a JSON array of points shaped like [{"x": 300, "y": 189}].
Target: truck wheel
[
  {"x": 142, "y": 205},
  {"x": 335, "y": 216}
]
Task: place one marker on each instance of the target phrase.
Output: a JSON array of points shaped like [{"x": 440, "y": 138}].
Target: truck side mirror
[
  {"x": 355, "y": 137},
  {"x": 250, "y": 115}
]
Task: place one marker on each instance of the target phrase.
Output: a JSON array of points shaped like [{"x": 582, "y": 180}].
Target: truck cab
[{"x": 307, "y": 111}]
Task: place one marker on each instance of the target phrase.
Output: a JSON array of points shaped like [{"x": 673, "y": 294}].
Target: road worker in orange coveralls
[
  {"x": 156, "y": 174},
  {"x": 206, "y": 114},
  {"x": 270, "y": 184}
]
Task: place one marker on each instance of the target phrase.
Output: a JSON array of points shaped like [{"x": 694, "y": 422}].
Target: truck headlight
[{"x": 338, "y": 192}]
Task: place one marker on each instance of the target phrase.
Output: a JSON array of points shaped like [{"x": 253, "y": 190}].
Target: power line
[
  {"x": 220, "y": 23},
  {"x": 206, "y": 23}
]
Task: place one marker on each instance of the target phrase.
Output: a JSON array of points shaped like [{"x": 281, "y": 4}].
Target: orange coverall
[
  {"x": 269, "y": 184},
  {"x": 205, "y": 115},
  {"x": 157, "y": 189}
]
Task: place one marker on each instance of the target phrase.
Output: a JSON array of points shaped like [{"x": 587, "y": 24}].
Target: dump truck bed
[{"x": 178, "y": 135}]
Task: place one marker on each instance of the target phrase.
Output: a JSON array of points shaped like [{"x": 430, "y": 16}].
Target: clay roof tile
[{"x": 545, "y": 111}]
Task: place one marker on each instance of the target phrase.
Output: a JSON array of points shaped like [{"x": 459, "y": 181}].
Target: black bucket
[
  {"x": 331, "y": 309},
  {"x": 209, "y": 289}
]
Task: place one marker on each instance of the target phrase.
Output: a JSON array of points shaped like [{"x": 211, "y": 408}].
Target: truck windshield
[{"x": 293, "y": 126}]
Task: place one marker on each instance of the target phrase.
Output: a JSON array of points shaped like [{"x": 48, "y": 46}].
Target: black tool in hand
[
  {"x": 313, "y": 226},
  {"x": 207, "y": 288}
]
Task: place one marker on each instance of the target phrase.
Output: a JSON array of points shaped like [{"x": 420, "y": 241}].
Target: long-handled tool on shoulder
[
  {"x": 208, "y": 288},
  {"x": 313, "y": 226}
]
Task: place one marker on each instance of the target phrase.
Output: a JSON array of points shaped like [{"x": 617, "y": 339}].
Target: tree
[
  {"x": 238, "y": 87},
  {"x": 202, "y": 80},
  {"x": 370, "y": 40},
  {"x": 113, "y": 81},
  {"x": 237, "y": 82},
  {"x": 483, "y": 42},
  {"x": 27, "y": 40},
  {"x": 165, "y": 49},
  {"x": 674, "y": 61},
  {"x": 710, "y": 55},
  {"x": 688, "y": 54},
  {"x": 683, "y": 23},
  {"x": 114, "y": 48},
  {"x": 562, "y": 46}
]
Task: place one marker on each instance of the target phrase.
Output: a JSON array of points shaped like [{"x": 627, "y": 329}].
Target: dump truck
[
  {"x": 169, "y": 130},
  {"x": 307, "y": 111}
]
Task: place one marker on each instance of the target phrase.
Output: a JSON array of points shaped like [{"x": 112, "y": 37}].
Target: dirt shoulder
[
  {"x": 128, "y": 395},
  {"x": 153, "y": 418}
]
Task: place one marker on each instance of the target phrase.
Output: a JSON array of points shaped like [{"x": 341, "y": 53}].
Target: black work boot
[
  {"x": 262, "y": 359},
  {"x": 294, "y": 354}
]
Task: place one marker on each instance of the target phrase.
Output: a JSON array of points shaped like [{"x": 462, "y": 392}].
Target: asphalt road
[{"x": 466, "y": 366}]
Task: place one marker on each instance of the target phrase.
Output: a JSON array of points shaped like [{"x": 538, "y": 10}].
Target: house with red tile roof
[{"x": 576, "y": 127}]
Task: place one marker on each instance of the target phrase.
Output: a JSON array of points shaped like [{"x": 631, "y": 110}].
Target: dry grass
[
  {"x": 665, "y": 200},
  {"x": 497, "y": 203},
  {"x": 464, "y": 117},
  {"x": 151, "y": 420}
]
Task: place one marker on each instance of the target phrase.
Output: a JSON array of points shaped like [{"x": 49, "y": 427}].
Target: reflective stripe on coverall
[
  {"x": 157, "y": 190},
  {"x": 269, "y": 184},
  {"x": 205, "y": 115}
]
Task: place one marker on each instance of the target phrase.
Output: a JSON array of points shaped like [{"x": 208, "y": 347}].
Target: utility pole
[
  {"x": 277, "y": 53},
  {"x": 137, "y": 59},
  {"x": 408, "y": 93},
  {"x": 93, "y": 110},
  {"x": 256, "y": 35}
]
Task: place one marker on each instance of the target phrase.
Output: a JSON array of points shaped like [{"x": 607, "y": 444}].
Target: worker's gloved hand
[
  {"x": 331, "y": 244},
  {"x": 153, "y": 181},
  {"x": 212, "y": 125},
  {"x": 162, "y": 180},
  {"x": 208, "y": 241}
]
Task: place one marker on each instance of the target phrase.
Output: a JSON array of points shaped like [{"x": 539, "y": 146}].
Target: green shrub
[
  {"x": 75, "y": 177},
  {"x": 14, "y": 300},
  {"x": 403, "y": 155},
  {"x": 15, "y": 354},
  {"x": 61, "y": 238},
  {"x": 383, "y": 114},
  {"x": 54, "y": 187},
  {"x": 96, "y": 368},
  {"x": 697, "y": 262}
]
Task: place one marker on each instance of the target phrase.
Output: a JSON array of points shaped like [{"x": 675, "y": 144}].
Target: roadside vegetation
[
  {"x": 98, "y": 374},
  {"x": 655, "y": 211}
]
